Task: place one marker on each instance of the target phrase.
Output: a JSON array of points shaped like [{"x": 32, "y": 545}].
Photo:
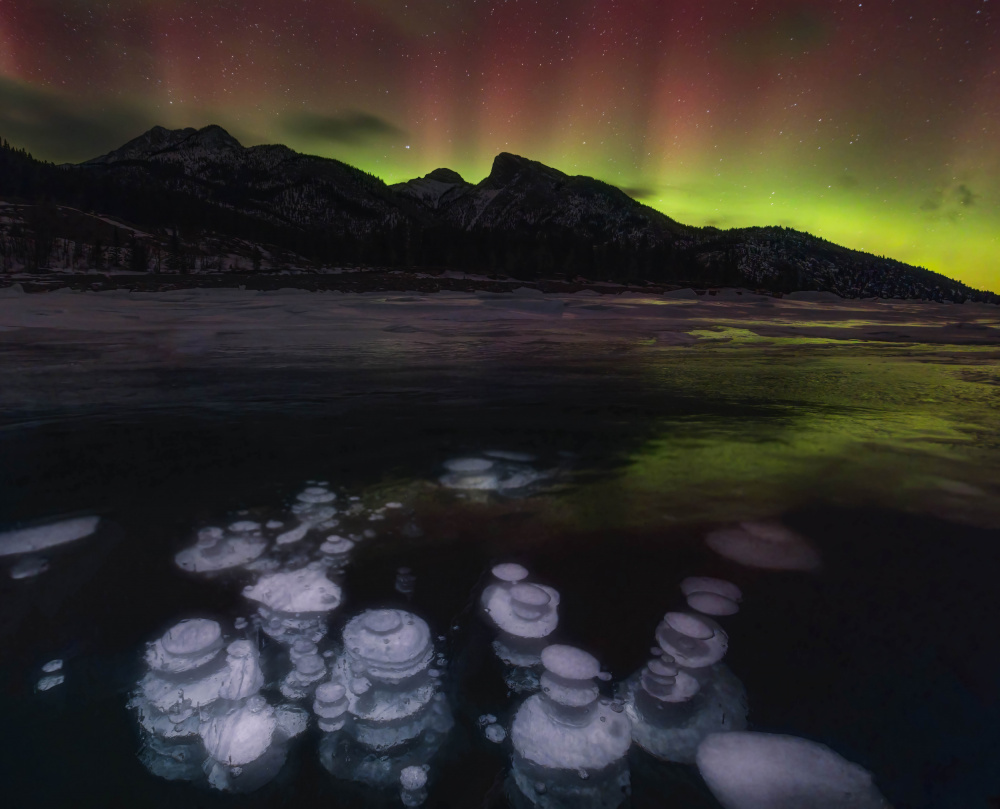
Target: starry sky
[{"x": 874, "y": 124}]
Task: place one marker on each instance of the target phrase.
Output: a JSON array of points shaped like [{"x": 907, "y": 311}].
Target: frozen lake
[{"x": 611, "y": 445}]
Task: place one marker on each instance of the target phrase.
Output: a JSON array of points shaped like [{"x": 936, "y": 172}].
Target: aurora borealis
[{"x": 873, "y": 124}]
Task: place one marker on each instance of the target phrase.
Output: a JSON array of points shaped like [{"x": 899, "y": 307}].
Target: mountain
[
  {"x": 204, "y": 200},
  {"x": 521, "y": 194},
  {"x": 271, "y": 183}
]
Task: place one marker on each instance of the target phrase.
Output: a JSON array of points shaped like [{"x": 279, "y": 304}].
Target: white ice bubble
[
  {"x": 468, "y": 466},
  {"x": 299, "y": 591},
  {"x": 765, "y": 771},
  {"x": 510, "y": 572},
  {"x": 53, "y": 666},
  {"x": 495, "y": 733},
  {"x": 412, "y": 778},
  {"x": 294, "y": 535},
  {"x": 570, "y": 663},
  {"x": 215, "y": 551},
  {"x": 242, "y": 735},
  {"x": 712, "y": 604},
  {"x": 694, "y": 641},
  {"x": 27, "y": 567},
  {"x": 31, "y": 540},
  {"x": 49, "y": 682},
  {"x": 765, "y": 544},
  {"x": 706, "y": 584}
]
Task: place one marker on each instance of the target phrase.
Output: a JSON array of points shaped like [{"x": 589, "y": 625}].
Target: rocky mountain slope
[{"x": 196, "y": 199}]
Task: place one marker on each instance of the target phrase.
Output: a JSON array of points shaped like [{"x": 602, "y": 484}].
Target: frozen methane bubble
[
  {"x": 49, "y": 682},
  {"x": 53, "y": 666},
  {"x": 244, "y": 677},
  {"x": 694, "y": 641},
  {"x": 294, "y": 604},
  {"x": 316, "y": 494},
  {"x": 706, "y": 584},
  {"x": 413, "y": 778},
  {"x": 470, "y": 473},
  {"x": 412, "y": 783},
  {"x": 522, "y": 610},
  {"x": 188, "y": 645},
  {"x": 300, "y": 681},
  {"x": 712, "y": 604},
  {"x": 394, "y": 707},
  {"x": 684, "y": 692},
  {"x": 495, "y": 733},
  {"x": 27, "y": 567},
  {"x": 330, "y": 705},
  {"x": 765, "y": 544},
  {"x": 712, "y": 596},
  {"x": 765, "y": 771},
  {"x": 510, "y": 572},
  {"x": 568, "y": 739},
  {"x": 216, "y": 550},
  {"x": 37, "y": 538},
  {"x": 389, "y": 645},
  {"x": 242, "y": 735}
]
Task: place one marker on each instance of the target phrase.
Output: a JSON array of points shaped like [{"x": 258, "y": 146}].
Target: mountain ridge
[{"x": 193, "y": 186}]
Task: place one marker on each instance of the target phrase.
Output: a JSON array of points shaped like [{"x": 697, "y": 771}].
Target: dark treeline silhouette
[{"x": 182, "y": 224}]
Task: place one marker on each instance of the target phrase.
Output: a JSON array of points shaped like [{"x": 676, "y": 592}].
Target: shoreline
[{"x": 396, "y": 281}]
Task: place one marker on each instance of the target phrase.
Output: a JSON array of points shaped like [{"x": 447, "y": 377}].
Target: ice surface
[
  {"x": 694, "y": 641},
  {"x": 764, "y": 771},
  {"x": 31, "y": 540}
]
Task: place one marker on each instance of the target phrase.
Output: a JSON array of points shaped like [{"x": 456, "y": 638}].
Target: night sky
[{"x": 874, "y": 124}]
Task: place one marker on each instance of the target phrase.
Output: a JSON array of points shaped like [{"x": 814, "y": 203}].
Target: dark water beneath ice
[{"x": 886, "y": 461}]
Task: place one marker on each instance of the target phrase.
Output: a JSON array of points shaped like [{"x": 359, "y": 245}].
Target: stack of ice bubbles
[
  {"x": 525, "y": 614},
  {"x": 569, "y": 743},
  {"x": 314, "y": 509},
  {"x": 493, "y": 471},
  {"x": 200, "y": 713},
  {"x": 382, "y": 709},
  {"x": 217, "y": 550},
  {"x": 685, "y": 692},
  {"x": 294, "y": 604}
]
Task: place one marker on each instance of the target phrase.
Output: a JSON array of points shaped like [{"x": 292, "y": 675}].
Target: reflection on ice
[{"x": 765, "y": 771}]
